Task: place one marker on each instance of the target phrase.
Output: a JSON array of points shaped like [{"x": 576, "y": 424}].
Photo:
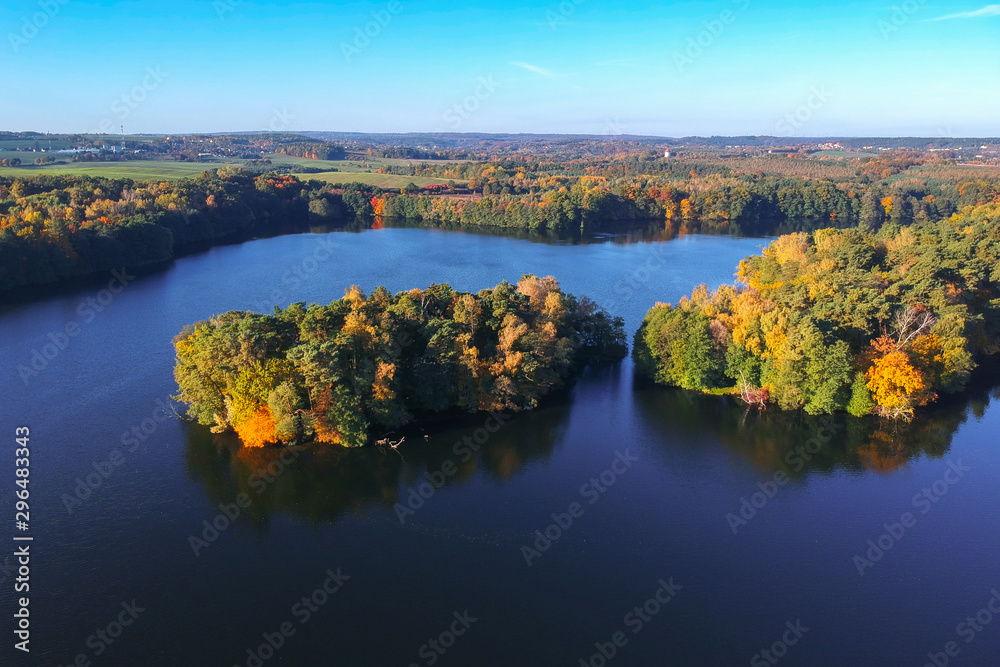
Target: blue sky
[{"x": 898, "y": 67}]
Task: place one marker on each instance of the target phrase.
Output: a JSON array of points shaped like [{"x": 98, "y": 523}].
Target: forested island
[
  {"x": 365, "y": 365},
  {"x": 859, "y": 320}
]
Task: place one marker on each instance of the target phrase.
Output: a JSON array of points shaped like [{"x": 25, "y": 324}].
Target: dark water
[{"x": 673, "y": 467}]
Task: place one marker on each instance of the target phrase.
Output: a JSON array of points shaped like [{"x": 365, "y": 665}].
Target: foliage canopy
[{"x": 338, "y": 372}]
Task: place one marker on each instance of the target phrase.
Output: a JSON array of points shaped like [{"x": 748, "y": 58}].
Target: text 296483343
[{"x": 22, "y": 551}]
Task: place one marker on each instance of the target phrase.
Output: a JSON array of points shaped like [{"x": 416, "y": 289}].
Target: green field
[
  {"x": 355, "y": 163},
  {"x": 368, "y": 178},
  {"x": 845, "y": 154},
  {"x": 136, "y": 169},
  {"x": 335, "y": 171},
  {"x": 54, "y": 144},
  {"x": 278, "y": 159}
]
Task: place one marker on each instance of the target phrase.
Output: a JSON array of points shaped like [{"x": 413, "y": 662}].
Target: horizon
[
  {"x": 568, "y": 68},
  {"x": 419, "y": 133}
]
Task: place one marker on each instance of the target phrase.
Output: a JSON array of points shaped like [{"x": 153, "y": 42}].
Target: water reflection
[
  {"x": 323, "y": 483},
  {"x": 798, "y": 444},
  {"x": 617, "y": 233}
]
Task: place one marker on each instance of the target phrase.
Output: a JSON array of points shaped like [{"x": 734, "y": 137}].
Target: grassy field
[
  {"x": 354, "y": 163},
  {"x": 380, "y": 180},
  {"x": 845, "y": 154},
  {"x": 347, "y": 171},
  {"x": 355, "y": 157},
  {"x": 278, "y": 158},
  {"x": 30, "y": 143},
  {"x": 171, "y": 169},
  {"x": 136, "y": 169}
]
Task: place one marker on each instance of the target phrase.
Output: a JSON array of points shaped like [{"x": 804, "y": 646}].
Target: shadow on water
[
  {"x": 617, "y": 232},
  {"x": 614, "y": 232},
  {"x": 799, "y": 444},
  {"x": 322, "y": 483}
]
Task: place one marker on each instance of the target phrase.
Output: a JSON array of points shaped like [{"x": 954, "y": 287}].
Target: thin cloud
[
  {"x": 533, "y": 68},
  {"x": 988, "y": 10}
]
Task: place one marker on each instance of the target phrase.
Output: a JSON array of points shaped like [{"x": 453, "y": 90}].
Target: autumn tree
[
  {"x": 847, "y": 319},
  {"x": 371, "y": 363}
]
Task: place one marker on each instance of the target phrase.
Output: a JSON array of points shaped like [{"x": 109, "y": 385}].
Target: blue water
[{"x": 676, "y": 469}]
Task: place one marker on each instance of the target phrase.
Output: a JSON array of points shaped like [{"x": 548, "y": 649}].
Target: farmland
[
  {"x": 134, "y": 169},
  {"x": 369, "y": 178},
  {"x": 355, "y": 170}
]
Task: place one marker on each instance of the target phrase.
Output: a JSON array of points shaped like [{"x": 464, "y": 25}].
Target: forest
[
  {"x": 871, "y": 322},
  {"x": 758, "y": 196},
  {"x": 363, "y": 366},
  {"x": 54, "y": 228}
]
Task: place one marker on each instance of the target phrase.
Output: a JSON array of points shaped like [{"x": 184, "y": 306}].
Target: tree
[
  {"x": 895, "y": 384},
  {"x": 322, "y": 208},
  {"x": 861, "y": 402},
  {"x": 676, "y": 348},
  {"x": 257, "y": 429}
]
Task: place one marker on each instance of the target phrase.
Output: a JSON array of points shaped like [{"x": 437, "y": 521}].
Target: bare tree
[
  {"x": 381, "y": 444},
  {"x": 910, "y": 322},
  {"x": 752, "y": 395}
]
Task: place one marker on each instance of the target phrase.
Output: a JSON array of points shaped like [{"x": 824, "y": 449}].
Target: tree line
[
  {"x": 55, "y": 228},
  {"x": 760, "y": 205},
  {"x": 319, "y": 150},
  {"x": 58, "y": 227}
]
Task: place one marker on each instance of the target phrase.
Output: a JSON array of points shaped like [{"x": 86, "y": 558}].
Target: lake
[{"x": 618, "y": 524}]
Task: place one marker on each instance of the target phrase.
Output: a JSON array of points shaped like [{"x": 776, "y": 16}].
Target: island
[
  {"x": 362, "y": 366},
  {"x": 854, "y": 319}
]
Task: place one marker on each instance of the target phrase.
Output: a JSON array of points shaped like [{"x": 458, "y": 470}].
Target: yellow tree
[
  {"x": 887, "y": 205},
  {"x": 896, "y": 385},
  {"x": 258, "y": 429}
]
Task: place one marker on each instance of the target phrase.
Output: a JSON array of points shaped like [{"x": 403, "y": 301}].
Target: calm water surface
[{"x": 822, "y": 490}]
